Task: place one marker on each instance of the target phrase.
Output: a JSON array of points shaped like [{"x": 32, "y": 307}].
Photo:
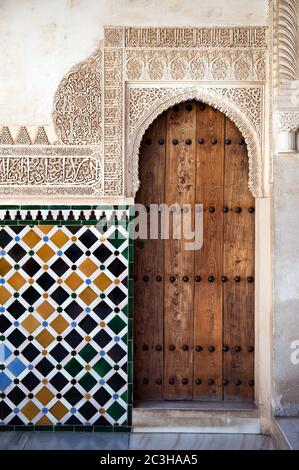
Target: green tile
[
  {"x": 88, "y": 353},
  {"x": 130, "y": 372},
  {"x": 130, "y": 350},
  {"x": 122, "y": 429},
  {"x": 117, "y": 324},
  {"x": 87, "y": 382},
  {"x": 24, "y": 428},
  {"x": 73, "y": 367},
  {"x": 83, "y": 428},
  {"x": 103, "y": 429},
  {"x": 102, "y": 367},
  {"x": 6, "y": 428},
  {"x": 63, "y": 428},
  {"x": 44, "y": 428},
  {"x": 116, "y": 411}
]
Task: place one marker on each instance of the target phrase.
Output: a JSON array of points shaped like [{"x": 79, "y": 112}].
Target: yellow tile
[
  {"x": 4, "y": 295},
  {"x": 45, "y": 253},
  {"x": 59, "y": 324},
  {"x": 45, "y": 309},
  {"x": 43, "y": 421},
  {"x": 30, "y": 323},
  {"x": 88, "y": 296},
  {"x": 88, "y": 267},
  {"x": 44, "y": 338},
  {"x": 102, "y": 282},
  {"x": 16, "y": 281},
  {"x": 74, "y": 281},
  {"x": 4, "y": 267},
  {"x": 58, "y": 410},
  {"x": 44, "y": 396},
  {"x": 59, "y": 238},
  {"x": 30, "y": 410},
  {"x": 45, "y": 228},
  {"x": 31, "y": 238}
]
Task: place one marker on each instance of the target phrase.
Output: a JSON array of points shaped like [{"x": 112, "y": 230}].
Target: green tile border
[{"x": 65, "y": 428}]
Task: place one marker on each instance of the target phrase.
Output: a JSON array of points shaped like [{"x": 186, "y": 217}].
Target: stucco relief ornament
[
  {"x": 222, "y": 99},
  {"x": 78, "y": 103}
]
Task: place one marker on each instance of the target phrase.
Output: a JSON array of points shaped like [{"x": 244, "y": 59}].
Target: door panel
[
  {"x": 208, "y": 292},
  {"x": 179, "y": 263},
  {"x": 194, "y": 317},
  {"x": 149, "y": 265}
]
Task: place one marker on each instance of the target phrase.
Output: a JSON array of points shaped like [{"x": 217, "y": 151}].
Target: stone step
[{"x": 196, "y": 420}]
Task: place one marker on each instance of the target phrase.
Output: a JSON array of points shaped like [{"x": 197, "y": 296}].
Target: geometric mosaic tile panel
[{"x": 64, "y": 325}]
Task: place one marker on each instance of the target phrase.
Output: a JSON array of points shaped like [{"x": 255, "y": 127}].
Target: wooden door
[{"x": 194, "y": 310}]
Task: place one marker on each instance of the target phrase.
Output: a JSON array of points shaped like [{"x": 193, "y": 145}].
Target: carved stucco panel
[{"x": 242, "y": 105}]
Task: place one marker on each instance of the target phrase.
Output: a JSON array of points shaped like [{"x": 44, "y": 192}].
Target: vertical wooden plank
[
  {"x": 238, "y": 259},
  {"x": 149, "y": 267},
  {"x": 208, "y": 260},
  {"x": 179, "y": 263}
]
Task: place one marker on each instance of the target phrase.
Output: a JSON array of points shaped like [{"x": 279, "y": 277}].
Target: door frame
[{"x": 263, "y": 306}]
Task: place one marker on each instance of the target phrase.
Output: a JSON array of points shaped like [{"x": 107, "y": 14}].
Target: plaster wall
[{"x": 42, "y": 39}]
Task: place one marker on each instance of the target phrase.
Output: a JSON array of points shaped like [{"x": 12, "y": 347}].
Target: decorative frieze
[
  {"x": 287, "y": 31},
  {"x": 150, "y": 65},
  {"x": 65, "y": 170},
  {"x": 238, "y": 37},
  {"x": 25, "y": 135}
]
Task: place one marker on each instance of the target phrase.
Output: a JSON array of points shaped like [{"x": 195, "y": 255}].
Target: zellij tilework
[{"x": 63, "y": 323}]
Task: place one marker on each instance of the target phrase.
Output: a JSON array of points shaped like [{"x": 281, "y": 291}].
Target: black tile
[
  {"x": 5, "y": 410},
  {"x": 88, "y": 324},
  {"x": 30, "y": 381},
  {"x": 17, "y": 252},
  {"x": 116, "y": 382},
  {"x": 73, "y": 253},
  {"x": 116, "y": 295},
  {"x": 102, "y": 310},
  {"x": 73, "y": 339},
  {"x": 58, "y": 381},
  {"x": 101, "y": 422},
  {"x": 116, "y": 353},
  {"x": 102, "y": 253},
  {"x": 59, "y": 267},
  {"x": 73, "y": 396},
  {"x": 45, "y": 281},
  {"x": 59, "y": 352},
  {"x": 31, "y": 267},
  {"x": 102, "y": 338},
  {"x": 16, "y": 309},
  {"x": 5, "y": 238},
  {"x": 101, "y": 396},
  {"x": 30, "y": 352},
  {"x": 73, "y": 310},
  {"x": 16, "y": 338},
  {"x": 88, "y": 238},
  {"x": 16, "y": 395},
  {"x": 4, "y": 323},
  {"x": 73, "y": 420},
  {"x": 16, "y": 421},
  {"x": 116, "y": 267},
  {"x": 60, "y": 295},
  {"x": 87, "y": 410},
  {"x": 44, "y": 367},
  {"x": 31, "y": 295}
]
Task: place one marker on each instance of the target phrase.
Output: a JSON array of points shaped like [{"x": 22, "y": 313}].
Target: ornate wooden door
[{"x": 194, "y": 310}]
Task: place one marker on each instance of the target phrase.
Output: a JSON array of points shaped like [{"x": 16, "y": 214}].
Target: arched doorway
[{"x": 194, "y": 310}]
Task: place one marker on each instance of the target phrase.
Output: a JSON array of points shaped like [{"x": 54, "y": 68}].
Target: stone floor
[
  {"x": 290, "y": 429},
  {"x": 134, "y": 441}
]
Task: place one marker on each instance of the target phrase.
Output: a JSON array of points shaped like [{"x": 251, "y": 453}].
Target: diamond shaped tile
[
  {"x": 45, "y": 309},
  {"x": 117, "y": 295},
  {"x": 73, "y": 396},
  {"x": 30, "y": 410},
  {"x": 45, "y": 338},
  {"x": 45, "y": 281},
  {"x": 59, "y": 267},
  {"x": 73, "y": 367},
  {"x": 102, "y": 282},
  {"x": 102, "y": 367},
  {"x": 5, "y": 238},
  {"x": 102, "y": 253},
  {"x": 88, "y": 353},
  {"x": 87, "y": 382},
  {"x": 4, "y": 295},
  {"x": 73, "y": 310},
  {"x": 30, "y": 323},
  {"x": 59, "y": 324},
  {"x": 88, "y": 296},
  {"x": 74, "y": 281},
  {"x": 88, "y": 238},
  {"x": 16, "y": 281},
  {"x": 17, "y": 253},
  {"x": 102, "y": 310},
  {"x": 60, "y": 295},
  {"x": 59, "y": 238},
  {"x": 45, "y": 253},
  {"x": 73, "y": 253},
  {"x": 44, "y": 396},
  {"x": 31, "y": 267},
  {"x": 31, "y": 295},
  {"x": 16, "y": 309},
  {"x": 88, "y": 324},
  {"x": 31, "y": 238},
  {"x": 116, "y": 411},
  {"x": 88, "y": 267},
  {"x": 5, "y": 267},
  {"x": 117, "y": 324}
]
